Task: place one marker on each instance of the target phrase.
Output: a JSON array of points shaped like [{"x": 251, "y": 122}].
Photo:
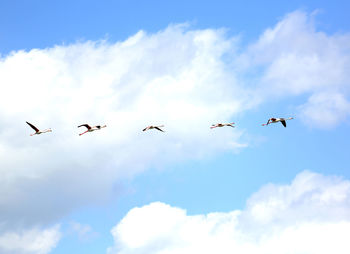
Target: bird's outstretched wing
[
  {"x": 284, "y": 123},
  {"x": 86, "y": 125},
  {"x": 31, "y": 125},
  {"x": 158, "y": 129}
]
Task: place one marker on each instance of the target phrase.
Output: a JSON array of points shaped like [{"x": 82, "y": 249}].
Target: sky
[{"x": 185, "y": 65}]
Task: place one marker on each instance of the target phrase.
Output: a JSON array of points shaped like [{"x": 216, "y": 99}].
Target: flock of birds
[{"x": 99, "y": 127}]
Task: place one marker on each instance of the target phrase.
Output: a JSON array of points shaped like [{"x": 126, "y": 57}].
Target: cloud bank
[
  {"x": 310, "y": 215},
  {"x": 176, "y": 77}
]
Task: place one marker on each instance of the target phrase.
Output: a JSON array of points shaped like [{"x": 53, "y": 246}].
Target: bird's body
[
  {"x": 91, "y": 129},
  {"x": 153, "y": 127},
  {"x": 276, "y": 120},
  {"x": 37, "y": 131},
  {"x": 222, "y": 125}
]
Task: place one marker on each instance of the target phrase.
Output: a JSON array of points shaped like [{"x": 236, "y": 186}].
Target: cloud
[
  {"x": 83, "y": 231},
  {"x": 325, "y": 109},
  {"x": 33, "y": 241},
  {"x": 176, "y": 77},
  {"x": 293, "y": 58},
  {"x": 310, "y": 215}
]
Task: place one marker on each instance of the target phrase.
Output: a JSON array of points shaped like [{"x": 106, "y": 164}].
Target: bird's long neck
[
  {"x": 48, "y": 130},
  {"x": 289, "y": 118}
]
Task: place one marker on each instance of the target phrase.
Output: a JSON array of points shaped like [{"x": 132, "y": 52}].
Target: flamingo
[
  {"x": 37, "y": 131},
  {"x": 276, "y": 120},
  {"x": 222, "y": 125},
  {"x": 91, "y": 129},
  {"x": 153, "y": 127}
]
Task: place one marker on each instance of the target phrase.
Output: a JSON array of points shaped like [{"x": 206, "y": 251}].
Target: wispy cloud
[
  {"x": 83, "y": 231},
  {"x": 310, "y": 215}
]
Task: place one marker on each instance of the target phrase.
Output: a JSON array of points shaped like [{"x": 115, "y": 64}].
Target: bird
[
  {"x": 222, "y": 125},
  {"x": 276, "y": 120},
  {"x": 91, "y": 129},
  {"x": 153, "y": 127},
  {"x": 37, "y": 131}
]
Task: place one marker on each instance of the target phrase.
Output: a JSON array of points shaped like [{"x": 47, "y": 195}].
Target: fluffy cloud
[
  {"x": 294, "y": 58},
  {"x": 34, "y": 241},
  {"x": 176, "y": 77},
  {"x": 311, "y": 215}
]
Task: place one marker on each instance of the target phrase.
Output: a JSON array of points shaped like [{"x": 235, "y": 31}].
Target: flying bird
[
  {"x": 91, "y": 129},
  {"x": 222, "y": 125},
  {"x": 37, "y": 131},
  {"x": 276, "y": 120},
  {"x": 153, "y": 127}
]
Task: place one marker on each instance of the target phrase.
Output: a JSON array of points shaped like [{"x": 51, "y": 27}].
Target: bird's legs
[{"x": 83, "y": 133}]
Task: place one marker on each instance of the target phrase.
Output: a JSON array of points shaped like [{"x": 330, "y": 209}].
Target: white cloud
[
  {"x": 293, "y": 58},
  {"x": 325, "y": 109},
  {"x": 175, "y": 77},
  {"x": 311, "y": 215},
  {"x": 34, "y": 241}
]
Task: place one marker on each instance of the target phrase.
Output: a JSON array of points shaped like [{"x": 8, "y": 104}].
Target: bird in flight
[
  {"x": 153, "y": 127},
  {"x": 91, "y": 129},
  {"x": 222, "y": 125},
  {"x": 37, "y": 131},
  {"x": 276, "y": 120}
]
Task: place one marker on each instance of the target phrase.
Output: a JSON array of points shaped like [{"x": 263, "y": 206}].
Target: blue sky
[
  {"x": 129, "y": 64},
  {"x": 40, "y": 24}
]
